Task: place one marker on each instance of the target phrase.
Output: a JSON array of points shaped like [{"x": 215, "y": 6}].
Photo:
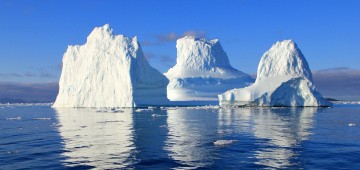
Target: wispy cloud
[
  {"x": 339, "y": 82},
  {"x": 29, "y": 74},
  {"x": 42, "y": 74},
  {"x": 199, "y": 34},
  {"x": 10, "y": 75},
  {"x": 172, "y": 36},
  {"x": 167, "y": 37},
  {"x": 161, "y": 58},
  {"x": 43, "y": 92}
]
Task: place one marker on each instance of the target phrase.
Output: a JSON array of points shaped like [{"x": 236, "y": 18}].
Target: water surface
[{"x": 40, "y": 137}]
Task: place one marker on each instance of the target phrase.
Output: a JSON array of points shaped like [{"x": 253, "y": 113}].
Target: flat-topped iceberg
[
  {"x": 202, "y": 71},
  {"x": 283, "y": 79},
  {"x": 109, "y": 71}
]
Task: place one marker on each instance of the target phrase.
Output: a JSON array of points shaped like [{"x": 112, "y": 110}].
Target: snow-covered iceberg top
[
  {"x": 283, "y": 59},
  {"x": 202, "y": 71},
  {"x": 109, "y": 71},
  {"x": 202, "y": 58},
  {"x": 283, "y": 78}
]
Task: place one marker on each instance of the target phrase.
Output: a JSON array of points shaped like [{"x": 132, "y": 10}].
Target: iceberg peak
[
  {"x": 283, "y": 79},
  {"x": 283, "y": 59},
  {"x": 99, "y": 33},
  {"x": 202, "y": 71},
  {"x": 199, "y": 40},
  {"x": 199, "y": 57},
  {"x": 109, "y": 71}
]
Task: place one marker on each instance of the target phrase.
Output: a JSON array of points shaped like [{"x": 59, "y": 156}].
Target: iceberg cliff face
[
  {"x": 202, "y": 71},
  {"x": 109, "y": 71},
  {"x": 283, "y": 79}
]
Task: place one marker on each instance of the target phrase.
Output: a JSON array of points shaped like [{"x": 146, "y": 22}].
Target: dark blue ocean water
[{"x": 40, "y": 137}]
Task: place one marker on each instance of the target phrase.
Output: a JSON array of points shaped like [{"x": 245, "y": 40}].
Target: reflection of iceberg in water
[
  {"x": 278, "y": 133},
  {"x": 285, "y": 129},
  {"x": 232, "y": 121},
  {"x": 91, "y": 139},
  {"x": 191, "y": 136}
]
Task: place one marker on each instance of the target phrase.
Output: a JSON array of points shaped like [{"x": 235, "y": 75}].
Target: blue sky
[{"x": 35, "y": 34}]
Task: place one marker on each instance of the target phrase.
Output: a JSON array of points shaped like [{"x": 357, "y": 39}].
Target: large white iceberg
[
  {"x": 202, "y": 71},
  {"x": 109, "y": 71},
  {"x": 283, "y": 79}
]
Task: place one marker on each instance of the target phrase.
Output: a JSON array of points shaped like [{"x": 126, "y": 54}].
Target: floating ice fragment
[
  {"x": 110, "y": 110},
  {"x": 224, "y": 142},
  {"x": 42, "y": 118},
  {"x": 157, "y": 115},
  {"x": 142, "y": 110},
  {"x": 14, "y": 118}
]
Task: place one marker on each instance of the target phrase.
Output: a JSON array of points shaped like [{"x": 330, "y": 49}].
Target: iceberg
[
  {"x": 109, "y": 71},
  {"x": 202, "y": 71},
  {"x": 283, "y": 78}
]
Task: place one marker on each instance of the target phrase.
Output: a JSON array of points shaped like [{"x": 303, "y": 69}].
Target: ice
[
  {"x": 283, "y": 79},
  {"x": 42, "y": 118},
  {"x": 202, "y": 71},
  {"x": 224, "y": 142},
  {"x": 143, "y": 110},
  {"x": 109, "y": 71},
  {"x": 14, "y": 118},
  {"x": 157, "y": 115},
  {"x": 109, "y": 110},
  {"x": 347, "y": 102}
]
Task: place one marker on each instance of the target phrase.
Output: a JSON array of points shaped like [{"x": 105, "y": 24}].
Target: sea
[{"x": 37, "y": 136}]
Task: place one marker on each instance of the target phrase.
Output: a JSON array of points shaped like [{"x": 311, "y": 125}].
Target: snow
[
  {"x": 283, "y": 78},
  {"x": 202, "y": 71},
  {"x": 109, "y": 71}
]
